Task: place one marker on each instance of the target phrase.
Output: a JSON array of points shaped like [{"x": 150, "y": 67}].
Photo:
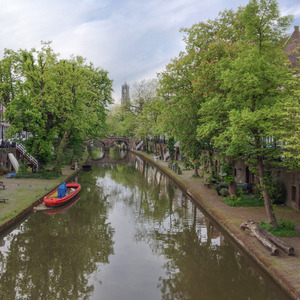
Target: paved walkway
[{"x": 285, "y": 269}]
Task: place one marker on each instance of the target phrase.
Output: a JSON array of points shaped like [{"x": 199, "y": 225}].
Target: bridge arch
[{"x": 108, "y": 142}]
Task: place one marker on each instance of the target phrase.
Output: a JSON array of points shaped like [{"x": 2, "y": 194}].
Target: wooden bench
[{"x": 2, "y": 185}]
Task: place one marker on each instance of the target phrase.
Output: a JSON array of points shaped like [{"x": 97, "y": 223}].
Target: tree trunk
[
  {"x": 212, "y": 164},
  {"x": 60, "y": 151},
  {"x": 267, "y": 200},
  {"x": 155, "y": 146},
  {"x": 264, "y": 234},
  {"x": 196, "y": 171},
  {"x": 257, "y": 232},
  {"x": 232, "y": 188},
  {"x": 288, "y": 249},
  {"x": 161, "y": 150}
]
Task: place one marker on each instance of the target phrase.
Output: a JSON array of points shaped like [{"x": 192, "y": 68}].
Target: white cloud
[{"x": 131, "y": 39}]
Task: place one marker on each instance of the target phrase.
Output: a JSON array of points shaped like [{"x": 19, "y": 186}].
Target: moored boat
[
  {"x": 62, "y": 194},
  {"x": 87, "y": 167},
  {"x": 62, "y": 208}
]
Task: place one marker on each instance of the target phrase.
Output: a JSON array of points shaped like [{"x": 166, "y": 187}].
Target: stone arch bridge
[
  {"x": 107, "y": 159},
  {"x": 108, "y": 142}
]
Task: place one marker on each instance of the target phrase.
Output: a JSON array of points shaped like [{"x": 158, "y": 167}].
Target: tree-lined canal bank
[
  {"x": 283, "y": 268},
  {"x": 133, "y": 234}
]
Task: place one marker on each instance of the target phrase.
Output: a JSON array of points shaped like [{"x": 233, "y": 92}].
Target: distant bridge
[
  {"x": 108, "y": 142},
  {"x": 107, "y": 159}
]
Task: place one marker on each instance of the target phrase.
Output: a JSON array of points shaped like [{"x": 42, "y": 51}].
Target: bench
[{"x": 2, "y": 185}]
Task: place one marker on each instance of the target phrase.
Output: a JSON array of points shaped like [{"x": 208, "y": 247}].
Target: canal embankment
[{"x": 283, "y": 268}]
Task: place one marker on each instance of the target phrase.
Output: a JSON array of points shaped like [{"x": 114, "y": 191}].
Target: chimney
[{"x": 296, "y": 29}]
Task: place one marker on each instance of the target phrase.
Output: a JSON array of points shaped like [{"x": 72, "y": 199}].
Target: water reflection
[
  {"x": 96, "y": 153},
  {"x": 50, "y": 257},
  {"x": 132, "y": 235},
  {"x": 112, "y": 155}
]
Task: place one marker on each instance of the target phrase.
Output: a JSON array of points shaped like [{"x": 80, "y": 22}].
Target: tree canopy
[
  {"x": 229, "y": 91},
  {"x": 53, "y": 99}
]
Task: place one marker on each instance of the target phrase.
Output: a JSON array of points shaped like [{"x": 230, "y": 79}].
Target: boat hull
[{"x": 72, "y": 190}]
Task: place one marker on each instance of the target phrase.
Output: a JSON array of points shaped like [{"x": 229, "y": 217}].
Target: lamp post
[
  {"x": 1, "y": 126},
  {"x": 1, "y": 112}
]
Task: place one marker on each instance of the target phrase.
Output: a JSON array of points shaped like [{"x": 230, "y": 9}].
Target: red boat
[
  {"x": 62, "y": 208},
  {"x": 53, "y": 199}
]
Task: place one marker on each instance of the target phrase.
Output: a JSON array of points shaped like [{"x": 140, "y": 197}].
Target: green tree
[
  {"x": 192, "y": 77},
  {"x": 179, "y": 117},
  {"x": 255, "y": 92},
  {"x": 53, "y": 99},
  {"x": 139, "y": 118},
  {"x": 291, "y": 128}
]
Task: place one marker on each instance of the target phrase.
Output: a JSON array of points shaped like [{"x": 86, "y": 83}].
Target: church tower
[{"x": 125, "y": 94}]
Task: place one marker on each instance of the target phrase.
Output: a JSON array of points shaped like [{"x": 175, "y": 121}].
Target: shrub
[
  {"x": 275, "y": 189},
  {"x": 285, "y": 228},
  {"x": 224, "y": 192},
  {"x": 227, "y": 169},
  {"x": 243, "y": 201},
  {"x": 287, "y": 224},
  {"x": 170, "y": 146},
  {"x": 38, "y": 174},
  {"x": 187, "y": 164},
  {"x": 240, "y": 192}
]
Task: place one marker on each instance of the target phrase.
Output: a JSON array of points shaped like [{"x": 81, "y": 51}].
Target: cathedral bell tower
[{"x": 125, "y": 94}]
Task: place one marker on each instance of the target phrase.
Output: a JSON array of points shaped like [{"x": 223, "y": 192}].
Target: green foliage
[
  {"x": 240, "y": 192},
  {"x": 2, "y": 168},
  {"x": 291, "y": 149},
  {"x": 170, "y": 146},
  {"x": 275, "y": 189},
  {"x": 211, "y": 179},
  {"x": 186, "y": 164},
  {"x": 140, "y": 118},
  {"x": 285, "y": 228},
  {"x": 24, "y": 169},
  {"x": 227, "y": 169},
  {"x": 217, "y": 177},
  {"x": 243, "y": 201},
  {"x": 52, "y": 99},
  {"x": 26, "y": 172},
  {"x": 224, "y": 192}
]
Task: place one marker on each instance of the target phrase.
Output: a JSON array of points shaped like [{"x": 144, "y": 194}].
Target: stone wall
[{"x": 4, "y": 160}]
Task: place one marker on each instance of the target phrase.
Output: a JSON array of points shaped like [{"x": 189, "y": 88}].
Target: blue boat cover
[
  {"x": 11, "y": 175},
  {"x": 61, "y": 190}
]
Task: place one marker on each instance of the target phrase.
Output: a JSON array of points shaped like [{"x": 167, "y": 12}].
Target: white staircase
[
  {"x": 21, "y": 148},
  {"x": 166, "y": 156},
  {"x": 139, "y": 145}
]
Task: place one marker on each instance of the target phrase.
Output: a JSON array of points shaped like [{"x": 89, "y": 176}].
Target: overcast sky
[{"x": 131, "y": 39}]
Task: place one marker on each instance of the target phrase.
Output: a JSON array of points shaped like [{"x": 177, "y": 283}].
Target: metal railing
[{"x": 21, "y": 148}]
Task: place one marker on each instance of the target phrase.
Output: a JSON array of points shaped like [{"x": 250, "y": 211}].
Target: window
[{"x": 294, "y": 193}]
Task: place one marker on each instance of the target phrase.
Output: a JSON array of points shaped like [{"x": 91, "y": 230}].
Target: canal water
[{"x": 131, "y": 234}]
